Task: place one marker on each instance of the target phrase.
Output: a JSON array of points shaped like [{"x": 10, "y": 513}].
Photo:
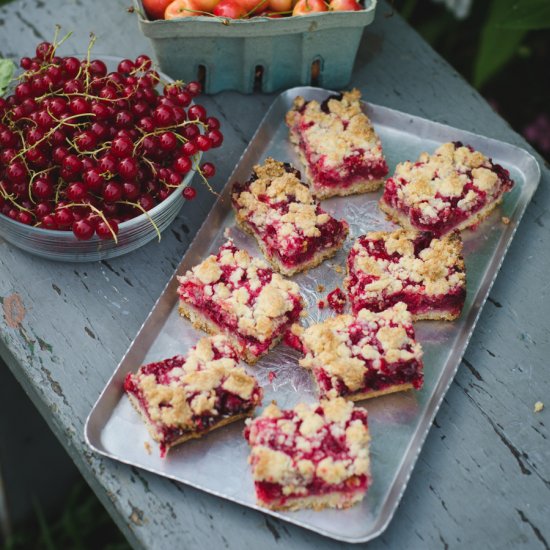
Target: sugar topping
[{"x": 291, "y": 447}]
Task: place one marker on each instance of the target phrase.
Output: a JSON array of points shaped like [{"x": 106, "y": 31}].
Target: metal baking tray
[{"x": 399, "y": 423}]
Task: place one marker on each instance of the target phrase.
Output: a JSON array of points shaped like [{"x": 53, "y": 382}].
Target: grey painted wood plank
[{"x": 483, "y": 477}]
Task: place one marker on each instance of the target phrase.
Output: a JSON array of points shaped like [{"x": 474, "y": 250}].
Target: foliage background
[{"x": 502, "y": 47}]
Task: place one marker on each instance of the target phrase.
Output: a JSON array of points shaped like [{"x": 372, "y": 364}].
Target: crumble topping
[
  {"x": 328, "y": 441},
  {"x": 280, "y": 207},
  {"x": 345, "y": 347},
  {"x": 246, "y": 289},
  {"x": 336, "y": 131},
  {"x": 455, "y": 175},
  {"x": 174, "y": 391},
  {"x": 391, "y": 262}
]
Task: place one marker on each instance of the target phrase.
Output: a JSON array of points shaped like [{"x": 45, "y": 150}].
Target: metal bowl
[{"x": 64, "y": 246}]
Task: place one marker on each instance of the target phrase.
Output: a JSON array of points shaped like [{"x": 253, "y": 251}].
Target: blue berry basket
[{"x": 259, "y": 54}]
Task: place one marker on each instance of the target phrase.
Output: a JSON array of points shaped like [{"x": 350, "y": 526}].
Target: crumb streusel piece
[
  {"x": 232, "y": 293},
  {"x": 426, "y": 273},
  {"x": 455, "y": 188},
  {"x": 337, "y": 144},
  {"x": 313, "y": 456},
  {"x": 185, "y": 397},
  {"x": 364, "y": 355},
  {"x": 293, "y": 231}
]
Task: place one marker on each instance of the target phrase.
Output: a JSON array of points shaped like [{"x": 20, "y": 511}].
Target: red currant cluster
[{"x": 84, "y": 149}]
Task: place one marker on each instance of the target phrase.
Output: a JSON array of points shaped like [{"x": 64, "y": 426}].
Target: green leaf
[
  {"x": 7, "y": 68},
  {"x": 497, "y": 46},
  {"x": 525, "y": 14}
]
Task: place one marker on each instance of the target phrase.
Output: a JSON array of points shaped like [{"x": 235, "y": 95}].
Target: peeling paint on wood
[
  {"x": 470, "y": 488},
  {"x": 14, "y": 310}
]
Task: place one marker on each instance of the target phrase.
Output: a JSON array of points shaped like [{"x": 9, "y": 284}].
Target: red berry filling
[
  {"x": 337, "y": 300},
  {"x": 337, "y": 142},
  {"x": 222, "y": 310},
  {"x": 311, "y": 451},
  {"x": 172, "y": 373},
  {"x": 438, "y": 211},
  {"x": 284, "y": 216},
  {"x": 426, "y": 273},
  {"x": 371, "y": 352}
]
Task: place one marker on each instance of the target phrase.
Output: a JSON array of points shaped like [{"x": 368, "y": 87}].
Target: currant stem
[{"x": 148, "y": 216}]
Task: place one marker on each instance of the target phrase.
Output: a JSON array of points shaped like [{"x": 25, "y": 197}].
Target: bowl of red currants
[{"x": 96, "y": 155}]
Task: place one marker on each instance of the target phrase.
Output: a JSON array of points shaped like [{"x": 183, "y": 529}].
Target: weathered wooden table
[{"x": 483, "y": 478}]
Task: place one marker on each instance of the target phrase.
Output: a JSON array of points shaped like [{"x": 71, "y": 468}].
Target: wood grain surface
[{"x": 483, "y": 478}]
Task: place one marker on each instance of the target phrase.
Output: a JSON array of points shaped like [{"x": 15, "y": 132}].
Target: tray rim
[{"x": 418, "y": 439}]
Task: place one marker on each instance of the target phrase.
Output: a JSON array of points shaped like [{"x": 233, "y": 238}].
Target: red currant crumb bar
[
  {"x": 364, "y": 355},
  {"x": 337, "y": 144},
  {"x": 454, "y": 188},
  {"x": 291, "y": 228},
  {"x": 314, "y": 456},
  {"x": 232, "y": 293},
  {"x": 183, "y": 398},
  {"x": 407, "y": 266}
]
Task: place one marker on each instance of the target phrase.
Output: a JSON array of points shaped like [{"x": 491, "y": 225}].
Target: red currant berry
[
  {"x": 25, "y": 63},
  {"x": 130, "y": 190},
  {"x": 213, "y": 123},
  {"x": 105, "y": 231},
  {"x": 128, "y": 168},
  {"x": 194, "y": 88},
  {"x": 72, "y": 164},
  {"x": 189, "y": 193},
  {"x": 112, "y": 191},
  {"x": 83, "y": 230},
  {"x": 197, "y": 112},
  {"x": 97, "y": 68},
  {"x": 86, "y": 140},
  {"x": 16, "y": 172},
  {"x": 45, "y": 51},
  {"x": 182, "y": 165},
  {"x": 143, "y": 62},
  {"x": 167, "y": 141},
  {"x": 163, "y": 116},
  {"x": 42, "y": 209},
  {"x": 191, "y": 131},
  {"x": 63, "y": 217},
  {"x": 48, "y": 222},
  {"x": 93, "y": 180},
  {"x": 126, "y": 66},
  {"x": 146, "y": 202},
  {"x": 25, "y": 217},
  {"x": 189, "y": 149},
  {"x": 42, "y": 188},
  {"x": 73, "y": 87},
  {"x": 71, "y": 66},
  {"x": 76, "y": 192},
  {"x": 183, "y": 99},
  {"x": 203, "y": 143},
  {"x": 208, "y": 170},
  {"x": 122, "y": 147},
  {"x": 216, "y": 137}
]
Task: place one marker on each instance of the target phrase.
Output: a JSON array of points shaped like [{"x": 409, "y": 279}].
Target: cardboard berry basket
[{"x": 259, "y": 54}]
